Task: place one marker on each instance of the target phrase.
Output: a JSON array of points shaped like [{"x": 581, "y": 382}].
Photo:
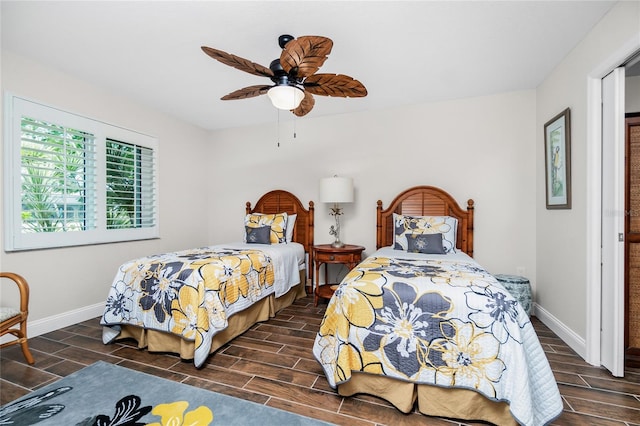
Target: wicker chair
[{"x": 11, "y": 317}]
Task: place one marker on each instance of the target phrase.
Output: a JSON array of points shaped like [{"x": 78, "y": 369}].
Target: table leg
[{"x": 316, "y": 284}]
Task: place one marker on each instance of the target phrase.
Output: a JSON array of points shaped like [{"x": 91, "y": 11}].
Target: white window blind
[
  {"x": 71, "y": 180},
  {"x": 57, "y": 178},
  {"x": 130, "y": 186}
]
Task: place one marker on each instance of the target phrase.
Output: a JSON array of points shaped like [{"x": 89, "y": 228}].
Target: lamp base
[{"x": 337, "y": 244}]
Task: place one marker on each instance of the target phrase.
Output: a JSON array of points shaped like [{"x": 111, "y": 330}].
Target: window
[
  {"x": 129, "y": 186},
  {"x": 71, "y": 180},
  {"x": 55, "y": 164}
]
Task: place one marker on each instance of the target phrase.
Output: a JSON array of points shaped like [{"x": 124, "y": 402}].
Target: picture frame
[{"x": 557, "y": 161}]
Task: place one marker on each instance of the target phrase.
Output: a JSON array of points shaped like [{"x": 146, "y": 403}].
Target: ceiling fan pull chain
[{"x": 278, "y": 128}]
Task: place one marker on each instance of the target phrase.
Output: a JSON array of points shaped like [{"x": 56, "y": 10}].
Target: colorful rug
[{"x": 105, "y": 394}]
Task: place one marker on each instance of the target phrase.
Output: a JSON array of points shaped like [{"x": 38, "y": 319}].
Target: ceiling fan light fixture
[
  {"x": 294, "y": 73},
  {"x": 285, "y": 97}
]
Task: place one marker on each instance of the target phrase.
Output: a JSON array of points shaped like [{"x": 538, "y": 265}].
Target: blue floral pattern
[
  {"x": 190, "y": 293},
  {"x": 495, "y": 310},
  {"x": 406, "y": 324},
  {"x": 431, "y": 321}
]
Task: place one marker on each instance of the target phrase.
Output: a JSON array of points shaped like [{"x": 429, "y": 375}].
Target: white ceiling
[{"x": 403, "y": 52}]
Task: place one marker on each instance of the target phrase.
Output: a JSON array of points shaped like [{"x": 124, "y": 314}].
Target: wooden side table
[{"x": 349, "y": 255}]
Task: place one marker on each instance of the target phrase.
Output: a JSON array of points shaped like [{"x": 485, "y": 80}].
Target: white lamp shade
[
  {"x": 336, "y": 190},
  {"x": 285, "y": 97}
]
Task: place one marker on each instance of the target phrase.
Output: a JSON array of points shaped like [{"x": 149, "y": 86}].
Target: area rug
[{"x": 105, "y": 394}]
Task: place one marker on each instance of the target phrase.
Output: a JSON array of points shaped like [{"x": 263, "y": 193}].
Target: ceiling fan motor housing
[{"x": 280, "y": 77}]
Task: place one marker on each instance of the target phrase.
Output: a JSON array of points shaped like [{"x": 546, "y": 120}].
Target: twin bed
[
  {"x": 418, "y": 321},
  {"x": 194, "y": 301}
]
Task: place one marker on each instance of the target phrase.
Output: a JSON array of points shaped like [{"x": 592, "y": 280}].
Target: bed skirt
[
  {"x": 160, "y": 341},
  {"x": 432, "y": 400}
]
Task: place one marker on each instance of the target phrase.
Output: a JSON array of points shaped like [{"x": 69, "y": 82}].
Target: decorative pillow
[
  {"x": 291, "y": 224},
  {"x": 445, "y": 225},
  {"x": 277, "y": 222},
  {"x": 425, "y": 243},
  {"x": 259, "y": 235}
]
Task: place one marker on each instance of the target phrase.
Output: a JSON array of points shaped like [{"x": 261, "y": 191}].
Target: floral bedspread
[
  {"x": 190, "y": 293},
  {"x": 440, "y": 322}
]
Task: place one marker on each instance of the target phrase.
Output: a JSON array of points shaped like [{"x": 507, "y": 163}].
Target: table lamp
[{"x": 336, "y": 190}]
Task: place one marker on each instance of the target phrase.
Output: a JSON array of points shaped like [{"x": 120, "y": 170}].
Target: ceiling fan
[{"x": 293, "y": 75}]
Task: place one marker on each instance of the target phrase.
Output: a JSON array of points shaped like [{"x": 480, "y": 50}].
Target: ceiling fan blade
[
  {"x": 305, "y": 55},
  {"x": 338, "y": 85},
  {"x": 305, "y": 106},
  {"x": 238, "y": 62},
  {"x": 247, "y": 92}
]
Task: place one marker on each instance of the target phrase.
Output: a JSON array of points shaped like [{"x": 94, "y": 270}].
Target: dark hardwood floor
[{"x": 272, "y": 364}]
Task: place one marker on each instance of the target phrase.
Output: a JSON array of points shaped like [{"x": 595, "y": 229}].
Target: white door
[{"x": 612, "y": 307}]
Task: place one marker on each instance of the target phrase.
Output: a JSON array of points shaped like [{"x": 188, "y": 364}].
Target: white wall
[
  {"x": 480, "y": 148},
  {"x": 561, "y": 235},
  {"x": 64, "y": 281}
]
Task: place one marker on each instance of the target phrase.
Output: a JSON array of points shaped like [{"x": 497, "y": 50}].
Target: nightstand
[{"x": 349, "y": 255}]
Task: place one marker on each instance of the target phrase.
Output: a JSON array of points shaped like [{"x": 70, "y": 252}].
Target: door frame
[
  {"x": 612, "y": 329},
  {"x": 593, "y": 197}
]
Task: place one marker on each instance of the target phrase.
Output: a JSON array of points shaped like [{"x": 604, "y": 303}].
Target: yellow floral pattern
[
  {"x": 190, "y": 293},
  {"x": 470, "y": 357},
  {"x": 277, "y": 222},
  {"x": 173, "y": 414},
  {"x": 426, "y": 321}
]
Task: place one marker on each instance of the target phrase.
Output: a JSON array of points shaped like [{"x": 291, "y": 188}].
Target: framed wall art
[{"x": 557, "y": 160}]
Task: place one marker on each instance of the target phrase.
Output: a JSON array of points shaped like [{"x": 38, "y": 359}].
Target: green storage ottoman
[{"x": 520, "y": 289}]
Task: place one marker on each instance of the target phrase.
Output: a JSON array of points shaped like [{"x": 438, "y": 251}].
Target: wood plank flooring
[{"x": 272, "y": 364}]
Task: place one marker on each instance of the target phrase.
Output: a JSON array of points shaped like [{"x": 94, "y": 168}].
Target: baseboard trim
[
  {"x": 65, "y": 319},
  {"x": 567, "y": 335}
]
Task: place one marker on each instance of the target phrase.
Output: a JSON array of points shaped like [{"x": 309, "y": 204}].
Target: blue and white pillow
[
  {"x": 425, "y": 243},
  {"x": 259, "y": 235}
]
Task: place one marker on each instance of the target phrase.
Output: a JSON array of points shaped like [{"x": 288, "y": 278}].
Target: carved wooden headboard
[
  {"x": 426, "y": 201},
  {"x": 279, "y": 201}
]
